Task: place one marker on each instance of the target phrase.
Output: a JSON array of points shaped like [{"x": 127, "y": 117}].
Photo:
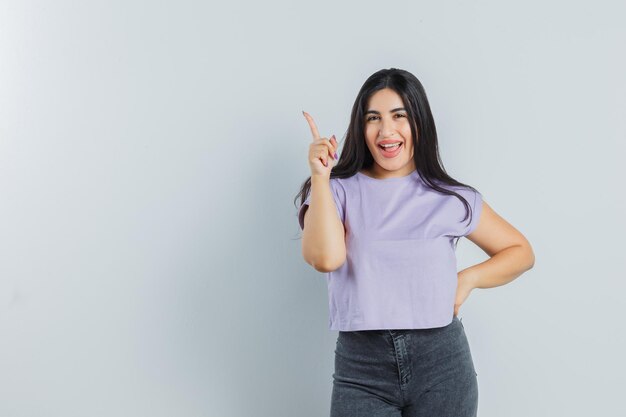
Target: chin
[{"x": 396, "y": 165}]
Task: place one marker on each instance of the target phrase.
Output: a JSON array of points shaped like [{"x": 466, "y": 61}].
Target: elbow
[
  {"x": 328, "y": 265},
  {"x": 326, "y": 257},
  {"x": 530, "y": 256}
]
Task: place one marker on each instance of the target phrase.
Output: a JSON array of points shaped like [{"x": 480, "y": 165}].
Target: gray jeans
[{"x": 408, "y": 373}]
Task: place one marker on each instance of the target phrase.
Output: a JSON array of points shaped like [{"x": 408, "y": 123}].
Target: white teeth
[{"x": 391, "y": 146}]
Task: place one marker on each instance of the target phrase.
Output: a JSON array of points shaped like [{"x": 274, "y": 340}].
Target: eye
[{"x": 374, "y": 117}]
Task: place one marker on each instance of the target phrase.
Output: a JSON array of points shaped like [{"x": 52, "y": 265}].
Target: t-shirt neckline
[{"x": 405, "y": 177}]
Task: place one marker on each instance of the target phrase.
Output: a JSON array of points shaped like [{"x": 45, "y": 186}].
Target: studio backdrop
[{"x": 150, "y": 154}]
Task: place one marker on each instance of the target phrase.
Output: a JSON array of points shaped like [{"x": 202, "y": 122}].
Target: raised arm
[{"x": 323, "y": 235}]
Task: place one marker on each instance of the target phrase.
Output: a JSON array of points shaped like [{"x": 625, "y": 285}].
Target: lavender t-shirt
[{"x": 401, "y": 270}]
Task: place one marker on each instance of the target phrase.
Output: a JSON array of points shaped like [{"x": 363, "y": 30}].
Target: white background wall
[{"x": 150, "y": 153}]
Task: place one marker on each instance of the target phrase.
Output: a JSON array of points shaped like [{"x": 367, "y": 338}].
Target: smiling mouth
[
  {"x": 391, "y": 152},
  {"x": 390, "y": 148}
]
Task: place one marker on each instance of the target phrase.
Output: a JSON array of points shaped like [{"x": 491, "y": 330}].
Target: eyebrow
[{"x": 392, "y": 111}]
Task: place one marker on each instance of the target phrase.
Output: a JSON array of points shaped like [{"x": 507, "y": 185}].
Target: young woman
[{"x": 383, "y": 223}]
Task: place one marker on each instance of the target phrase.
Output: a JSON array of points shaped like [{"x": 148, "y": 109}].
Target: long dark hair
[{"x": 356, "y": 155}]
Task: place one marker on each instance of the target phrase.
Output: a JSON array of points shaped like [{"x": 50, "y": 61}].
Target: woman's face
[{"x": 386, "y": 121}]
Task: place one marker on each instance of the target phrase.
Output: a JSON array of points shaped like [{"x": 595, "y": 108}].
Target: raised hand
[{"x": 320, "y": 150}]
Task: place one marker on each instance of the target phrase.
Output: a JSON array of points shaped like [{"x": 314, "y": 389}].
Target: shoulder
[
  {"x": 454, "y": 206},
  {"x": 468, "y": 193},
  {"x": 463, "y": 190},
  {"x": 343, "y": 183},
  {"x": 344, "y": 180}
]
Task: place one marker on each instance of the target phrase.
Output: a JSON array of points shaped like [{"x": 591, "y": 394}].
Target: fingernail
[
  {"x": 326, "y": 164},
  {"x": 335, "y": 155}
]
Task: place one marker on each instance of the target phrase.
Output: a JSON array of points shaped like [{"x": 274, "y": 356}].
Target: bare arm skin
[
  {"x": 509, "y": 251},
  {"x": 323, "y": 236}
]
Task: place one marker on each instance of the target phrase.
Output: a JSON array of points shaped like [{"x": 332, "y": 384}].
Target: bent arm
[
  {"x": 510, "y": 252},
  {"x": 323, "y": 235},
  {"x": 502, "y": 268}
]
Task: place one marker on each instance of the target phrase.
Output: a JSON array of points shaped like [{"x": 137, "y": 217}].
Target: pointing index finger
[{"x": 312, "y": 125}]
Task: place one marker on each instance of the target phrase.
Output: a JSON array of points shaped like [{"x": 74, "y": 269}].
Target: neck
[{"x": 376, "y": 171}]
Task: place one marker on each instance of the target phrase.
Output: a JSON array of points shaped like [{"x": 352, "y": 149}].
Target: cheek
[
  {"x": 370, "y": 137},
  {"x": 406, "y": 131}
]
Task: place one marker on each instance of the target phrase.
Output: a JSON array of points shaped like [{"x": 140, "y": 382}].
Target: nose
[{"x": 386, "y": 129}]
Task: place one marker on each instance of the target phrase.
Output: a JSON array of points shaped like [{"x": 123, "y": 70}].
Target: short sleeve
[
  {"x": 339, "y": 196},
  {"x": 475, "y": 199}
]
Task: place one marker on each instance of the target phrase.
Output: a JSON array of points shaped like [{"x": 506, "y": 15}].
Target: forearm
[
  {"x": 501, "y": 268},
  {"x": 323, "y": 240}
]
